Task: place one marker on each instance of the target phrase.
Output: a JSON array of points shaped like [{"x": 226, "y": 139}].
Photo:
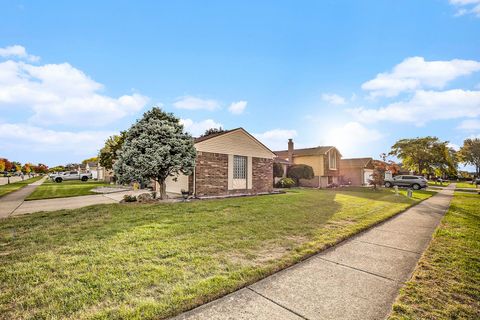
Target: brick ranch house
[
  {"x": 325, "y": 161},
  {"x": 228, "y": 163}
]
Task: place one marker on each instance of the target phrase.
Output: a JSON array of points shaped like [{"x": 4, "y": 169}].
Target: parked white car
[{"x": 71, "y": 175}]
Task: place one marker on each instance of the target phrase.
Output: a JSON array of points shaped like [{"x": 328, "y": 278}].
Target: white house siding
[{"x": 236, "y": 143}]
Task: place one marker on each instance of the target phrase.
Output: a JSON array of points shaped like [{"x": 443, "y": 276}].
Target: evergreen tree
[{"x": 155, "y": 148}]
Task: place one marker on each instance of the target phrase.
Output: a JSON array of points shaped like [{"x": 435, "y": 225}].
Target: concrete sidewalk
[
  {"x": 357, "y": 279},
  {"x": 11, "y": 201}
]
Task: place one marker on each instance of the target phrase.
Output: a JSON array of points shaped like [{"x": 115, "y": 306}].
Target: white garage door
[
  {"x": 367, "y": 175},
  {"x": 177, "y": 186}
]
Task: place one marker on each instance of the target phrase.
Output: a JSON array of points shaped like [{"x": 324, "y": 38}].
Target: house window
[
  {"x": 239, "y": 167},
  {"x": 332, "y": 160}
]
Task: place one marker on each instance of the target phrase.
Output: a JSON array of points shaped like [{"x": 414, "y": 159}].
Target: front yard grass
[
  {"x": 465, "y": 185},
  {"x": 438, "y": 184},
  {"x": 446, "y": 282},
  {"x": 73, "y": 188},
  {"x": 14, "y": 186},
  {"x": 152, "y": 261}
]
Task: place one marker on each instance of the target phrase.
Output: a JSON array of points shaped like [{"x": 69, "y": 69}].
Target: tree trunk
[{"x": 162, "y": 192}]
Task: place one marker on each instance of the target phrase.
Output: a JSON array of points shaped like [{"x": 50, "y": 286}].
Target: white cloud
[
  {"x": 198, "y": 128},
  {"x": 415, "y": 73},
  {"x": 238, "y": 107},
  {"x": 36, "y": 139},
  {"x": 351, "y": 139},
  {"x": 470, "y": 125},
  {"x": 425, "y": 106},
  {"x": 466, "y": 7},
  {"x": 194, "y": 103},
  {"x": 333, "y": 98},
  {"x": 17, "y": 51},
  {"x": 276, "y": 139},
  {"x": 453, "y": 146},
  {"x": 61, "y": 94}
]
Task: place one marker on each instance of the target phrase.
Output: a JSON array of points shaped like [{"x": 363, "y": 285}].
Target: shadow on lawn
[{"x": 239, "y": 221}]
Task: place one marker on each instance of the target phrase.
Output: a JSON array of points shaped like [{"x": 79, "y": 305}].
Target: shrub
[
  {"x": 129, "y": 198},
  {"x": 277, "y": 170},
  {"x": 300, "y": 171},
  {"x": 285, "y": 183}
]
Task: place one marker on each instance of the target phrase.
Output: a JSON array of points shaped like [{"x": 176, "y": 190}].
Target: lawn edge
[
  {"x": 287, "y": 265},
  {"x": 3, "y": 195},
  {"x": 71, "y": 196},
  {"x": 422, "y": 256}
]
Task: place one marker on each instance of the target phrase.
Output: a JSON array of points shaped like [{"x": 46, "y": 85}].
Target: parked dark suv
[{"x": 415, "y": 182}]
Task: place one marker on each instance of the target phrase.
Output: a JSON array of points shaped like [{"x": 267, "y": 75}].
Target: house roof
[
  {"x": 320, "y": 150},
  {"x": 355, "y": 162},
  {"x": 93, "y": 164},
  {"x": 215, "y": 135},
  {"x": 280, "y": 160}
]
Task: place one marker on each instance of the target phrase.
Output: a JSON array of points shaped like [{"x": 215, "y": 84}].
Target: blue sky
[{"x": 355, "y": 74}]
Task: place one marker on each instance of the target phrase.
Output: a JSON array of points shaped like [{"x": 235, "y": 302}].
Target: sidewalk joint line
[
  {"x": 278, "y": 304},
  {"x": 383, "y": 245},
  {"x": 361, "y": 270},
  {"x": 406, "y": 234},
  {"x": 403, "y": 233}
]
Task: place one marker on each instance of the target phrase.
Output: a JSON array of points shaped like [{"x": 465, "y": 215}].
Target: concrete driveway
[{"x": 70, "y": 203}]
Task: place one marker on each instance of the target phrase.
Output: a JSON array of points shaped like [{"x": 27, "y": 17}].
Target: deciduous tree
[
  {"x": 155, "y": 148},
  {"x": 108, "y": 154},
  {"x": 424, "y": 155},
  {"x": 92, "y": 159},
  {"x": 470, "y": 154},
  {"x": 8, "y": 164},
  {"x": 213, "y": 131}
]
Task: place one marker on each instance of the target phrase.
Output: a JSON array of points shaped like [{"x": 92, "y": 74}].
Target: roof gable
[
  {"x": 237, "y": 141},
  {"x": 356, "y": 162}
]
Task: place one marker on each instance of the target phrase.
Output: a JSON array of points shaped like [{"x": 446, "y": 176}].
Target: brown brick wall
[
  {"x": 262, "y": 174},
  {"x": 211, "y": 172}
]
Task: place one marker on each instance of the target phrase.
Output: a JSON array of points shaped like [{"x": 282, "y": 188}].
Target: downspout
[{"x": 194, "y": 184}]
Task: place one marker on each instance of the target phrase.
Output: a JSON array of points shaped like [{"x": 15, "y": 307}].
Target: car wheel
[
  {"x": 416, "y": 186},
  {"x": 58, "y": 180},
  {"x": 388, "y": 184},
  {"x": 84, "y": 178}
]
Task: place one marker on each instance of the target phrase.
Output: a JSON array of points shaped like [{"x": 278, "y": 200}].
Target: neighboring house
[
  {"x": 325, "y": 161},
  {"x": 229, "y": 162},
  {"x": 357, "y": 171},
  {"x": 95, "y": 169}
]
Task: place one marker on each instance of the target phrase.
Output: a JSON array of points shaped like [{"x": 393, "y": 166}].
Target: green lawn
[
  {"x": 7, "y": 188},
  {"x": 438, "y": 184},
  {"x": 465, "y": 185},
  {"x": 446, "y": 282},
  {"x": 151, "y": 261},
  {"x": 49, "y": 189}
]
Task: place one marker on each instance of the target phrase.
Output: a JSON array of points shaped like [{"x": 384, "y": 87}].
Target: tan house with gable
[
  {"x": 325, "y": 161},
  {"x": 230, "y": 162}
]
